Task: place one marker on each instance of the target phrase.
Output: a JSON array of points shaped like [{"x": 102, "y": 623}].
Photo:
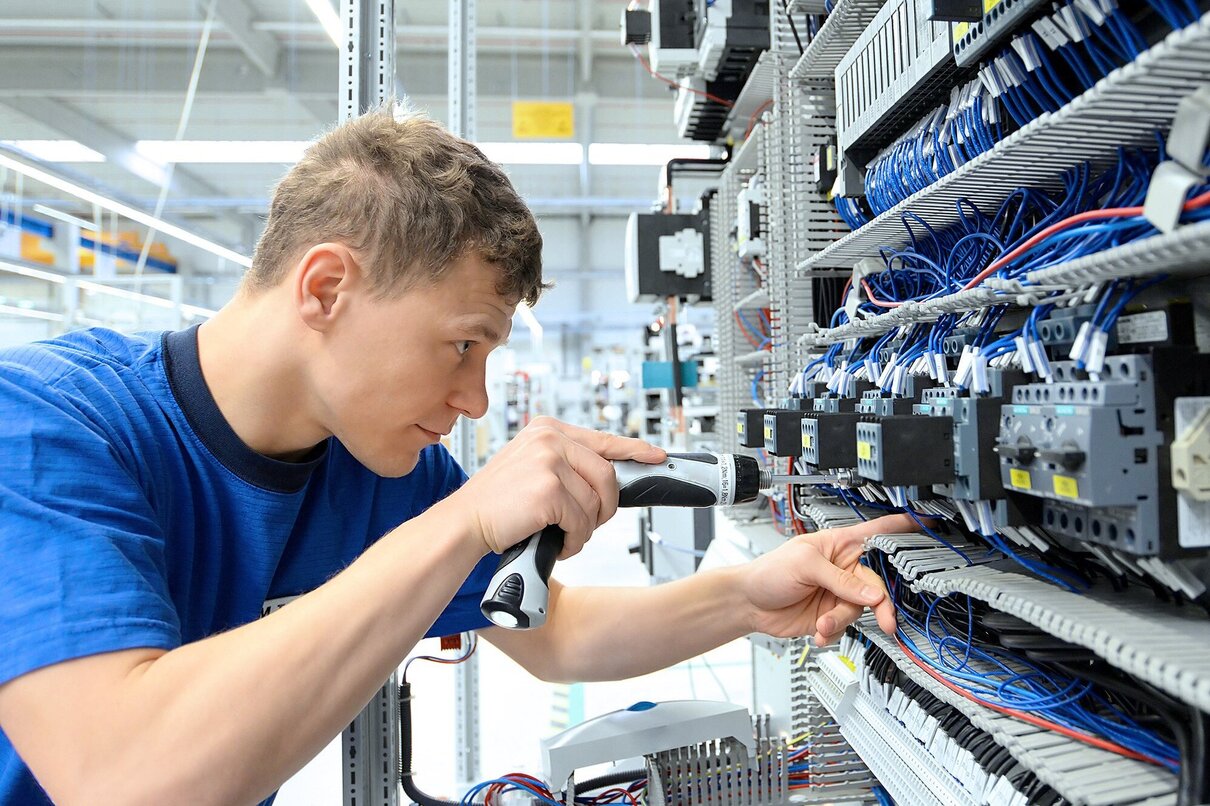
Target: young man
[{"x": 156, "y": 490}]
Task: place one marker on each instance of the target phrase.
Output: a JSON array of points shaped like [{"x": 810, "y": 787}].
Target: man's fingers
[
  {"x": 581, "y": 507},
  {"x": 833, "y": 622},
  {"x": 598, "y": 474},
  {"x": 848, "y": 586},
  {"x": 884, "y": 611},
  {"x": 610, "y": 446}
]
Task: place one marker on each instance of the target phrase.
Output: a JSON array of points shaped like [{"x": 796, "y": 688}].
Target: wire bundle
[
  {"x": 965, "y": 657},
  {"x": 949, "y": 136},
  {"x": 1040, "y": 71},
  {"x": 521, "y": 782}
]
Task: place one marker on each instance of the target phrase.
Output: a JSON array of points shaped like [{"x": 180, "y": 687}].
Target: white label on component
[
  {"x": 682, "y": 253},
  {"x": 1143, "y": 327}
]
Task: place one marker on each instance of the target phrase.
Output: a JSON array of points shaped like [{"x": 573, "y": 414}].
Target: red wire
[
  {"x": 1196, "y": 203},
  {"x": 1026, "y": 717},
  {"x": 672, "y": 83},
  {"x": 744, "y": 330},
  {"x": 755, "y": 115},
  {"x": 619, "y": 792}
]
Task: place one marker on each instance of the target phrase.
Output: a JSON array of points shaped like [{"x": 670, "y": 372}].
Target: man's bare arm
[
  {"x": 228, "y": 719},
  {"x": 811, "y": 585}
]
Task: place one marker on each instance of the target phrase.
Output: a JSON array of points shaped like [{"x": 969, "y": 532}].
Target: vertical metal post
[
  {"x": 370, "y": 767},
  {"x": 367, "y": 58},
  {"x": 462, "y": 123}
]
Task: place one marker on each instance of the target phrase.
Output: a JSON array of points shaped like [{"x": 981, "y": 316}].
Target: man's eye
[{"x": 464, "y": 347}]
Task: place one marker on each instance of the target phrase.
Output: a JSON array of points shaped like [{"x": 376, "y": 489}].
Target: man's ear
[{"x": 323, "y": 280}]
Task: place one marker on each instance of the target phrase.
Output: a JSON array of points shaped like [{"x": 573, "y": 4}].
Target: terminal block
[
  {"x": 906, "y": 450},
  {"x": 829, "y": 440},
  {"x": 1096, "y": 451},
  {"x": 750, "y": 425},
  {"x": 783, "y": 431},
  {"x": 976, "y": 426}
]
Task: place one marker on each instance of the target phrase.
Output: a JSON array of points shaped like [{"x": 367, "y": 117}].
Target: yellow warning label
[
  {"x": 806, "y": 440},
  {"x": 768, "y": 432},
  {"x": 1066, "y": 486},
  {"x": 865, "y": 450},
  {"x": 1020, "y": 478},
  {"x": 739, "y": 429},
  {"x": 543, "y": 120}
]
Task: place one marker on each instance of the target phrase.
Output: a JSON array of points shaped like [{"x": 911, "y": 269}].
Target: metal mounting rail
[
  {"x": 1126, "y": 108},
  {"x": 1183, "y": 251},
  {"x": 837, "y": 34}
]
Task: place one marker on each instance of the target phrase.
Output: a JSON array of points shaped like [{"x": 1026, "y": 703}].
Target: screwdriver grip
[{"x": 518, "y": 593}]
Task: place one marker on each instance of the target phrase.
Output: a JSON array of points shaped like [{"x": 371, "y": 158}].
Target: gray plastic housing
[{"x": 641, "y": 730}]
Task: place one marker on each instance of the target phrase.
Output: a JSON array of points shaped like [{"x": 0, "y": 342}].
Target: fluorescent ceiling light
[
  {"x": 534, "y": 153},
  {"x": 146, "y": 219},
  {"x": 531, "y": 322},
  {"x": 229, "y": 151},
  {"x": 102, "y": 288},
  {"x": 57, "y": 150},
  {"x": 66, "y": 218},
  {"x": 323, "y": 11},
  {"x": 643, "y": 153}
]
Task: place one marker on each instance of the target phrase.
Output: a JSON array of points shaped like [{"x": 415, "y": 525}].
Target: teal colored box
[{"x": 658, "y": 374}]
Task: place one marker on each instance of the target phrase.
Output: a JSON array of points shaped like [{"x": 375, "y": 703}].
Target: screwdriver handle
[
  {"x": 519, "y": 592},
  {"x": 688, "y": 480}
]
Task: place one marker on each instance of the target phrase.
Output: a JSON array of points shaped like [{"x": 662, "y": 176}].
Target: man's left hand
[{"x": 815, "y": 584}]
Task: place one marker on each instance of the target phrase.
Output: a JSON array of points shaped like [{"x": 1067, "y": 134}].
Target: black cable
[
  {"x": 609, "y": 779},
  {"x": 793, "y": 28},
  {"x": 1162, "y": 705},
  {"x": 405, "y": 752}
]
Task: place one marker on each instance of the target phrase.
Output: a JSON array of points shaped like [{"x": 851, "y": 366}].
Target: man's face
[{"x": 398, "y": 372}]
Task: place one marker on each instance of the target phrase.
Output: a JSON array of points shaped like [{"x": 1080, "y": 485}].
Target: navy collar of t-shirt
[{"x": 184, "y": 370}]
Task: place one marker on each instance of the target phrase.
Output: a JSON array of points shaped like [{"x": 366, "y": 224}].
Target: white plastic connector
[
  {"x": 1098, "y": 345},
  {"x": 1079, "y": 348},
  {"x": 1027, "y": 363},
  {"x": 1092, "y": 10}
]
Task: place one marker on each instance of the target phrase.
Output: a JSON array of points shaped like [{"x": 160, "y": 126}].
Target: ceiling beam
[
  {"x": 262, "y": 49},
  {"x": 41, "y": 71},
  {"x": 117, "y": 148}
]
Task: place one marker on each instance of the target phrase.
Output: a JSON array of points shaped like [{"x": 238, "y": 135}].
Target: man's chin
[{"x": 392, "y": 467}]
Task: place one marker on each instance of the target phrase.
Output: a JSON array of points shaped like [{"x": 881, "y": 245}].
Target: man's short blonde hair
[{"x": 409, "y": 198}]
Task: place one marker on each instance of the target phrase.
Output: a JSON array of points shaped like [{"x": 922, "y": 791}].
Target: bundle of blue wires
[
  {"x": 1032, "y": 76},
  {"x": 940, "y": 262},
  {"x": 1005, "y": 679}
]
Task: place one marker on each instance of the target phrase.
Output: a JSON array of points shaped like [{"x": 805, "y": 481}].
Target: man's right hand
[{"x": 551, "y": 473}]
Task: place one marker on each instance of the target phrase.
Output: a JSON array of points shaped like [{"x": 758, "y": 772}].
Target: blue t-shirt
[{"x": 131, "y": 515}]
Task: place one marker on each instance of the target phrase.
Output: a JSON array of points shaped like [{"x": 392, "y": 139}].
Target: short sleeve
[
  {"x": 462, "y": 614},
  {"x": 82, "y": 552}
]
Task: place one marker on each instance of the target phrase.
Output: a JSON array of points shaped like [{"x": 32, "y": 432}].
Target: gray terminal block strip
[
  {"x": 1166, "y": 646},
  {"x": 1080, "y": 773}
]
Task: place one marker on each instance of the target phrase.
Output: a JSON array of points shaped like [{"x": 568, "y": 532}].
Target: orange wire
[
  {"x": 755, "y": 115},
  {"x": 1026, "y": 717},
  {"x": 671, "y": 83}
]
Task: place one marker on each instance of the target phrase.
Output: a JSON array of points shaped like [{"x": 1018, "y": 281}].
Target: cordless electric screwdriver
[{"x": 517, "y": 595}]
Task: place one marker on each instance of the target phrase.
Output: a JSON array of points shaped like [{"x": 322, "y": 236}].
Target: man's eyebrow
[{"x": 485, "y": 332}]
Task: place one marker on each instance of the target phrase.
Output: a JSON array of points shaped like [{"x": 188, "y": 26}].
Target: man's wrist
[
  {"x": 456, "y": 526},
  {"x": 731, "y": 590}
]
